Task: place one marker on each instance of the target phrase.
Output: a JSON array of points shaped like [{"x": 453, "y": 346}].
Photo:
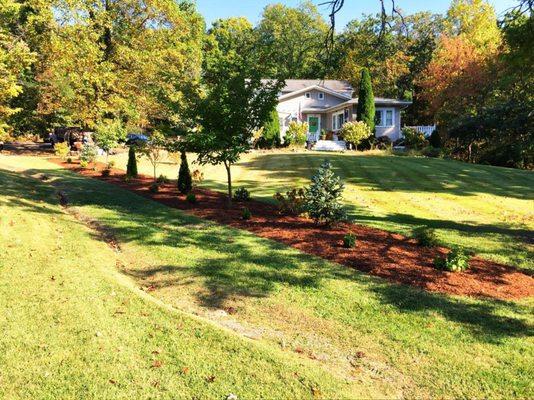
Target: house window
[
  {"x": 384, "y": 117},
  {"x": 338, "y": 120},
  {"x": 308, "y": 95},
  {"x": 321, "y": 96}
]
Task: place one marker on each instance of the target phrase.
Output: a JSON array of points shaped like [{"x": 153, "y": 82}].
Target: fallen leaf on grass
[
  {"x": 185, "y": 370},
  {"x": 113, "y": 382},
  {"x": 210, "y": 379},
  {"x": 157, "y": 364},
  {"x": 315, "y": 392}
]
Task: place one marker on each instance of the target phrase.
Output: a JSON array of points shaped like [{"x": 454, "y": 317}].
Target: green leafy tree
[
  {"x": 131, "y": 167},
  {"x": 322, "y": 200},
  {"x": 237, "y": 100},
  {"x": 185, "y": 182},
  {"x": 294, "y": 37},
  {"x": 366, "y": 101},
  {"x": 108, "y": 134},
  {"x": 355, "y": 132}
]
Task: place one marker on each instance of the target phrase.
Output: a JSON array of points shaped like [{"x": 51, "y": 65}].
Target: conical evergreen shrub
[
  {"x": 366, "y": 101},
  {"x": 322, "y": 199},
  {"x": 131, "y": 168},
  {"x": 185, "y": 182}
]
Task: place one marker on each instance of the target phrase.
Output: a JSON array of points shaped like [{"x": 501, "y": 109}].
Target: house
[{"x": 326, "y": 105}]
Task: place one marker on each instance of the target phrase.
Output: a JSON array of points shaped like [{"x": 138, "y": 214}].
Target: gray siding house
[{"x": 327, "y": 105}]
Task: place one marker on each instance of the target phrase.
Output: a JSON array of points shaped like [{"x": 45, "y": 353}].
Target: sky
[{"x": 214, "y": 9}]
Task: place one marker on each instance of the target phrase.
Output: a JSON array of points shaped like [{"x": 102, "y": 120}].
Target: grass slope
[
  {"x": 486, "y": 209},
  {"x": 73, "y": 328},
  {"x": 383, "y": 340}
]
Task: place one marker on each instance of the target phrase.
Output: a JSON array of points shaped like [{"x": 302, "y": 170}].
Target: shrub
[
  {"x": 191, "y": 198},
  {"x": 270, "y": 135},
  {"x": 198, "y": 176},
  {"x": 88, "y": 154},
  {"x": 185, "y": 182},
  {"x": 242, "y": 194},
  {"x": 131, "y": 168},
  {"x": 162, "y": 179},
  {"x": 62, "y": 149},
  {"x": 111, "y": 164},
  {"x": 83, "y": 164},
  {"x": 355, "y": 132},
  {"x": 108, "y": 134},
  {"x": 106, "y": 172},
  {"x": 425, "y": 236},
  {"x": 349, "y": 241},
  {"x": 435, "y": 139},
  {"x": 323, "y": 197},
  {"x": 296, "y": 134},
  {"x": 154, "y": 187},
  {"x": 456, "y": 261},
  {"x": 413, "y": 138},
  {"x": 69, "y": 160},
  {"x": 292, "y": 203},
  {"x": 430, "y": 151},
  {"x": 383, "y": 143},
  {"x": 246, "y": 214}
]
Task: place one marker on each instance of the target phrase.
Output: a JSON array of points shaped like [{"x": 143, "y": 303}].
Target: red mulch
[{"x": 380, "y": 253}]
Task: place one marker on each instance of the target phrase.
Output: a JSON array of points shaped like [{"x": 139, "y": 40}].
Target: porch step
[{"x": 330, "y": 145}]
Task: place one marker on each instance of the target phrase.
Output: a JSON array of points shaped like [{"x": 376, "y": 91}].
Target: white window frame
[
  {"x": 383, "y": 118},
  {"x": 336, "y": 128},
  {"x": 320, "y": 96},
  {"x": 307, "y": 95}
]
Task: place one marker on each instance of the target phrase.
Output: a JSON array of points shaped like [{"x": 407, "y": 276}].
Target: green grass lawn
[
  {"x": 485, "y": 209},
  {"x": 314, "y": 323}
]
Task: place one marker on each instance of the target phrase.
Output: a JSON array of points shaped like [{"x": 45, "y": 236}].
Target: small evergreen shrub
[
  {"x": 292, "y": 203},
  {"x": 456, "y": 261},
  {"x": 430, "y": 151},
  {"x": 162, "y": 179},
  {"x": 69, "y": 160},
  {"x": 106, "y": 172},
  {"x": 185, "y": 181},
  {"x": 349, "y": 241},
  {"x": 322, "y": 200},
  {"x": 242, "y": 194},
  {"x": 154, "y": 187},
  {"x": 88, "y": 154},
  {"x": 131, "y": 167},
  {"x": 425, "y": 236},
  {"x": 61, "y": 149},
  {"x": 191, "y": 198},
  {"x": 246, "y": 214},
  {"x": 435, "y": 139}
]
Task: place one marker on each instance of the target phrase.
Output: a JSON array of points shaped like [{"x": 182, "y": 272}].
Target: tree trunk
[
  {"x": 155, "y": 179},
  {"x": 227, "y": 165}
]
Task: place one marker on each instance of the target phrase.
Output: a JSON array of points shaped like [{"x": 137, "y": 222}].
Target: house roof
[
  {"x": 341, "y": 95},
  {"x": 294, "y": 85},
  {"x": 379, "y": 101}
]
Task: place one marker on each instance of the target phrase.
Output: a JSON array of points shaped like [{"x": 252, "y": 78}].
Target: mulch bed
[{"x": 380, "y": 253}]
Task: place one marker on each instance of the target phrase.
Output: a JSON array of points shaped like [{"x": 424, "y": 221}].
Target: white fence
[{"x": 425, "y": 130}]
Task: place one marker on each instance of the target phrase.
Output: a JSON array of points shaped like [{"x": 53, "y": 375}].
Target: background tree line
[{"x": 149, "y": 64}]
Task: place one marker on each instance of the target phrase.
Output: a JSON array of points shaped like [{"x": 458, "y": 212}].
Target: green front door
[{"x": 313, "y": 124}]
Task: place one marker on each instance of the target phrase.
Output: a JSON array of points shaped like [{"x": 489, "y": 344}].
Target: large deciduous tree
[{"x": 294, "y": 37}]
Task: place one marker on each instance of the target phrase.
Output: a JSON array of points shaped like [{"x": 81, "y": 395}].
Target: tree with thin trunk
[
  {"x": 237, "y": 100},
  {"x": 154, "y": 150}
]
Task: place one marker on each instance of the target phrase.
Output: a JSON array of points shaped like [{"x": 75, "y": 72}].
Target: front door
[{"x": 314, "y": 123}]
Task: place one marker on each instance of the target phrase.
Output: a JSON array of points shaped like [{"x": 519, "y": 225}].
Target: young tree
[
  {"x": 355, "y": 132},
  {"x": 366, "y": 101},
  {"x": 131, "y": 167},
  {"x": 185, "y": 183},
  {"x": 154, "y": 150},
  {"x": 237, "y": 101},
  {"x": 108, "y": 134},
  {"x": 322, "y": 200}
]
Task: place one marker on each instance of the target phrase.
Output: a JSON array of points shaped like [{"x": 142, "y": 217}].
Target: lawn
[
  {"x": 488, "y": 210},
  {"x": 314, "y": 324}
]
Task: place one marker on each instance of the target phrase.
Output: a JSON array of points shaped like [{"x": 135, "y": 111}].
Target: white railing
[
  {"x": 313, "y": 137},
  {"x": 425, "y": 130}
]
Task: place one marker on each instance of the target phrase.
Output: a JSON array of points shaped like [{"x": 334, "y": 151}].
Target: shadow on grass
[{"x": 230, "y": 264}]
